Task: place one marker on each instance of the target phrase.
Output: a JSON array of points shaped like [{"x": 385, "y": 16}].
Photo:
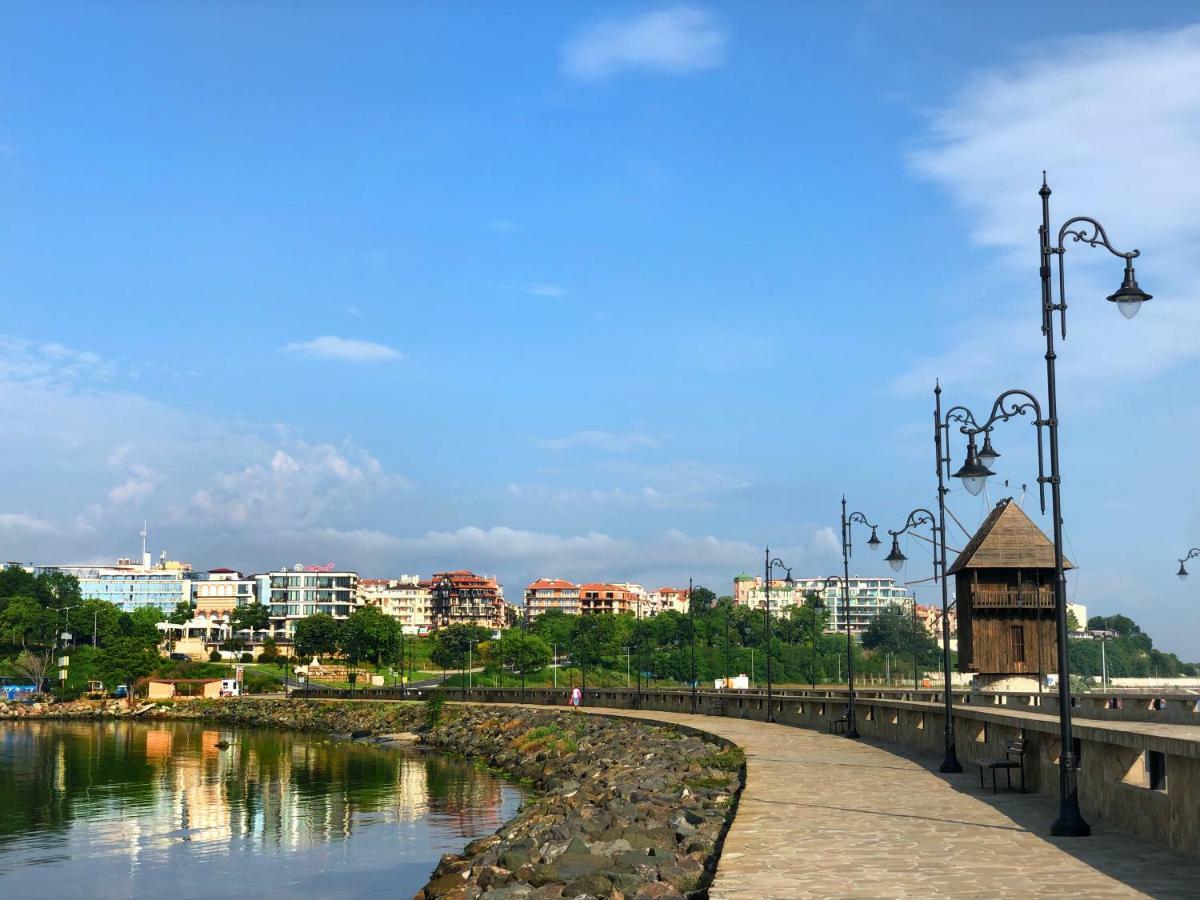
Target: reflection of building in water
[{"x": 466, "y": 805}]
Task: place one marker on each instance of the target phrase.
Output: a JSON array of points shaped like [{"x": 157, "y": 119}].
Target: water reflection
[{"x": 120, "y": 809}]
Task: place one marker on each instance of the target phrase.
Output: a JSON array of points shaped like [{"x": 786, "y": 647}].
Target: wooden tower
[{"x": 1004, "y": 579}]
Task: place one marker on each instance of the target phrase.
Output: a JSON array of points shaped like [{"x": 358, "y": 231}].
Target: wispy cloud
[
  {"x": 344, "y": 350},
  {"x": 608, "y": 441},
  {"x": 1054, "y": 110},
  {"x": 544, "y": 289},
  {"x": 674, "y": 40}
]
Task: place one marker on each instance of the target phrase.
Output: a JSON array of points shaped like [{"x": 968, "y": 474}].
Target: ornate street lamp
[
  {"x": 692, "y": 638},
  {"x": 973, "y": 475},
  {"x": 817, "y": 605},
  {"x": 918, "y": 517},
  {"x": 847, "y": 522},
  {"x": 1129, "y": 299},
  {"x": 771, "y": 565},
  {"x": 1183, "y": 572}
]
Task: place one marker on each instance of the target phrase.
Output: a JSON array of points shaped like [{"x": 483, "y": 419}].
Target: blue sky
[{"x": 590, "y": 290}]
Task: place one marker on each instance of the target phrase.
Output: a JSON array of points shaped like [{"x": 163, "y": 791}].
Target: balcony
[{"x": 1029, "y": 597}]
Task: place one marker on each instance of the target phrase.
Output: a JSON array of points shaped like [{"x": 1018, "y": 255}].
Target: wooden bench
[{"x": 1014, "y": 758}]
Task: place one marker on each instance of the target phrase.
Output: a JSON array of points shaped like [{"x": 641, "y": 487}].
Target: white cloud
[
  {"x": 298, "y": 487},
  {"x": 344, "y": 350},
  {"x": 24, "y": 523},
  {"x": 678, "y": 39},
  {"x": 542, "y": 289},
  {"x": 608, "y": 441},
  {"x": 1116, "y": 121}
]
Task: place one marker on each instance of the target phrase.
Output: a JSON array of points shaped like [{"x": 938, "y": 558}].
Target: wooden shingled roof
[{"x": 1007, "y": 539}]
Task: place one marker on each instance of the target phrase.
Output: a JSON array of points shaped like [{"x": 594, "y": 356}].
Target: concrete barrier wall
[{"x": 1116, "y": 769}]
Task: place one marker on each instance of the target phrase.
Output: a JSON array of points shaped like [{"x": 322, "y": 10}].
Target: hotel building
[
  {"x": 551, "y": 593},
  {"x": 462, "y": 597},
  {"x": 293, "y": 594},
  {"x": 406, "y": 599}
]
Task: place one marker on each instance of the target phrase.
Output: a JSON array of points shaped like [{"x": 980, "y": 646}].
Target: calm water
[{"x": 158, "y": 810}]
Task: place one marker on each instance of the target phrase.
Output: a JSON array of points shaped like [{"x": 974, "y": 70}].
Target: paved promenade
[{"x": 823, "y": 816}]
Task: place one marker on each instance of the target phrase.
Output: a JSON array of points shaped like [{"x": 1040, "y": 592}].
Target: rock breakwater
[{"x": 626, "y": 809}]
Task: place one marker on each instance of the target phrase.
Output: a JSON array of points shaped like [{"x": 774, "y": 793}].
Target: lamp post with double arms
[
  {"x": 816, "y": 606},
  {"x": 692, "y": 639},
  {"x": 771, "y": 565},
  {"x": 848, "y": 522},
  {"x": 974, "y": 474},
  {"x": 1128, "y": 299},
  {"x": 918, "y": 517},
  {"x": 1183, "y": 572}
]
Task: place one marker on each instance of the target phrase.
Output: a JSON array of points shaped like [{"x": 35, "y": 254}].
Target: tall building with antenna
[{"x": 132, "y": 585}]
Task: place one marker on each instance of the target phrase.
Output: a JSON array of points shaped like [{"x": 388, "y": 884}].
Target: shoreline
[{"x": 621, "y": 809}]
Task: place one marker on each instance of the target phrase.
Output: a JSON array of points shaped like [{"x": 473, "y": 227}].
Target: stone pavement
[{"x": 824, "y": 816}]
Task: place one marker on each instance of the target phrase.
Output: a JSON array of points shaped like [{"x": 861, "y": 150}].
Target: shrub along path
[{"x": 824, "y": 816}]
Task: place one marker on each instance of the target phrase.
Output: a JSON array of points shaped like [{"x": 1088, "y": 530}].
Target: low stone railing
[{"x": 1145, "y": 779}]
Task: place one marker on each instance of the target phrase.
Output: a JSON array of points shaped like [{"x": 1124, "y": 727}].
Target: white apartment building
[
  {"x": 405, "y": 599},
  {"x": 293, "y": 594},
  {"x": 666, "y": 599},
  {"x": 868, "y": 597},
  {"x": 546, "y": 594}
]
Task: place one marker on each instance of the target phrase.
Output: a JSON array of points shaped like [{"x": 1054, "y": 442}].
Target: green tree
[
  {"x": 127, "y": 660},
  {"x": 140, "y": 625},
  {"x": 184, "y": 612},
  {"x": 892, "y": 631},
  {"x": 27, "y": 624},
  {"x": 595, "y": 640},
  {"x": 317, "y": 635},
  {"x": 451, "y": 644},
  {"x": 99, "y": 619},
  {"x": 369, "y": 634},
  {"x": 522, "y": 652},
  {"x": 554, "y": 627},
  {"x": 269, "y": 652},
  {"x": 251, "y": 617}
]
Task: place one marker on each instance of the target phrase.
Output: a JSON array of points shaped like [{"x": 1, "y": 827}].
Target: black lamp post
[
  {"x": 1183, "y": 572},
  {"x": 847, "y": 522},
  {"x": 1128, "y": 299},
  {"x": 771, "y": 565},
  {"x": 974, "y": 474},
  {"x": 918, "y": 517},
  {"x": 692, "y": 638},
  {"x": 817, "y": 605}
]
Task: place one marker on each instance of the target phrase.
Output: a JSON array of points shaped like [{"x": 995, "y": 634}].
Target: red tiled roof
[{"x": 550, "y": 583}]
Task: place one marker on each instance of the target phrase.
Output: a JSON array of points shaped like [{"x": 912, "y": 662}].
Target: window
[
  {"x": 1016, "y": 643},
  {"x": 1156, "y": 770}
]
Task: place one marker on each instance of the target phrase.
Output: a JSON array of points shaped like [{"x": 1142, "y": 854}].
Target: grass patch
[
  {"x": 713, "y": 782},
  {"x": 731, "y": 760}
]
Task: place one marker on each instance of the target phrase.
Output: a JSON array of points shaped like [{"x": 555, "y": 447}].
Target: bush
[
  {"x": 215, "y": 656},
  {"x": 260, "y": 683},
  {"x": 247, "y": 657},
  {"x": 433, "y": 709}
]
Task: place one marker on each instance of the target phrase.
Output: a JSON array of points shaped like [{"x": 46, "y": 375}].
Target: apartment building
[
  {"x": 218, "y": 592},
  {"x": 600, "y": 597},
  {"x": 462, "y": 597},
  {"x": 868, "y": 597},
  {"x": 546, "y": 594},
  {"x": 293, "y": 594},
  {"x": 664, "y": 599},
  {"x": 406, "y": 599}
]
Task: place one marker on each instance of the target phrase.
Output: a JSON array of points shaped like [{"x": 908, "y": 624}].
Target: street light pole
[
  {"x": 816, "y": 605},
  {"x": 1128, "y": 299},
  {"x": 769, "y": 566},
  {"x": 847, "y": 522},
  {"x": 1183, "y": 572},
  {"x": 918, "y": 517},
  {"x": 692, "y": 636}
]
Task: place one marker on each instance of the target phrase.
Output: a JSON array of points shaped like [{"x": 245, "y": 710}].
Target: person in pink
[{"x": 576, "y": 697}]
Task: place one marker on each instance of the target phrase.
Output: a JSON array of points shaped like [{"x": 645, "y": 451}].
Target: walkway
[{"x": 824, "y": 816}]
